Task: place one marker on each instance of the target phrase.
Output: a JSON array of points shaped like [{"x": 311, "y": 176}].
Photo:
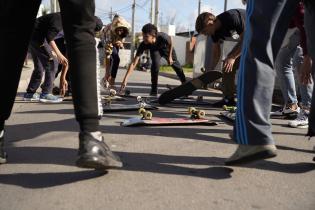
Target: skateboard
[
  {"x": 112, "y": 96},
  {"x": 200, "y": 55},
  {"x": 187, "y": 101},
  {"x": 190, "y": 86},
  {"x": 109, "y": 107},
  {"x": 146, "y": 119}
]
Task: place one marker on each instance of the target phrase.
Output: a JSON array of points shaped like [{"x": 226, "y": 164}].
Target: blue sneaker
[
  {"x": 49, "y": 98},
  {"x": 31, "y": 97}
]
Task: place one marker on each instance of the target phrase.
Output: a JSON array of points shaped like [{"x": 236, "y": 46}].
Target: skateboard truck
[
  {"x": 146, "y": 115},
  {"x": 231, "y": 109},
  {"x": 196, "y": 114},
  {"x": 112, "y": 94}
]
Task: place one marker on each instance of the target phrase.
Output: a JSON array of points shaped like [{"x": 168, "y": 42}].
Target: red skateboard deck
[{"x": 166, "y": 121}]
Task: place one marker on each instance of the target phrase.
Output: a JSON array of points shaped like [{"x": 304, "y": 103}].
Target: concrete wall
[{"x": 180, "y": 47}]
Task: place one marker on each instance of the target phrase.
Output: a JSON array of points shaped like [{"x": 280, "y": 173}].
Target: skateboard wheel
[
  {"x": 148, "y": 115},
  {"x": 112, "y": 92},
  {"x": 225, "y": 108},
  {"x": 139, "y": 98},
  {"x": 201, "y": 114},
  {"x": 191, "y": 110},
  {"x": 127, "y": 92},
  {"x": 141, "y": 111},
  {"x": 203, "y": 70},
  {"x": 200, "y": 98}
]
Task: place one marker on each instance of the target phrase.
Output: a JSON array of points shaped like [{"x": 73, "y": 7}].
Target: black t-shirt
[
  {"x": 232, "y": 24},
  {"x": 47, "y": 27},
  {"x": 163, "y": 42}
]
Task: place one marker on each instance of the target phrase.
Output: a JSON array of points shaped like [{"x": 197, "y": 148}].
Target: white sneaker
[{"x": 301, "y": 121}]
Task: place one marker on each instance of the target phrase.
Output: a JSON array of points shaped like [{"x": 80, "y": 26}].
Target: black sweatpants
[
  {"x": 156, "y": 63},
  {"x": 17, "y": 20},
  {"x": 114, "y": 62}
]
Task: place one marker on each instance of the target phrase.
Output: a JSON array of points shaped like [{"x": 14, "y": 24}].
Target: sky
[{"x": 183, "y": 12}]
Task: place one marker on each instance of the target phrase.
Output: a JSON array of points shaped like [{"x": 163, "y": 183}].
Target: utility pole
[
  {"x": 111, "y": 14},
  {"x": 225, "y": 5},
  {"x": 199, "y": 7},
  {"x": 152, "y": 12},
  {"x": 133, "y": 31},
  {"x": 156, "y": 18}
]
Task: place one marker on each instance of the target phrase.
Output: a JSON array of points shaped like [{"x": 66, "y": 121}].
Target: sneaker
[
  {"x": 94, "y": 152},
  {"x": 31, "y": 97},
  {"x": 301, "y": 121},
  {"x": 49, "y": 98},
  {"x": 224, "y": 102},
  {"x": 3, "y": 155},
  {"x": 248, "y": 153},
  {"x": 291, "y": 109},
  {"x": 279, "y": 112}
]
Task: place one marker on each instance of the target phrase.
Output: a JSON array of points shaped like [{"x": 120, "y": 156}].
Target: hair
[
  {"x": 203, "y": 20},
  {"x": 99, "y": 24},
  {"x": 150, "y": 29}
]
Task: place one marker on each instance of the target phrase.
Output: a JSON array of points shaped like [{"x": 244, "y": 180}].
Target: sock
[{"x": 1, "y": 133}]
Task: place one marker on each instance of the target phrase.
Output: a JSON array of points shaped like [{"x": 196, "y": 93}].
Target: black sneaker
[
  {"x": 3, "y": 155},
  {"x": 94, "y": 152},
  {"x": 224, "y": 101}
]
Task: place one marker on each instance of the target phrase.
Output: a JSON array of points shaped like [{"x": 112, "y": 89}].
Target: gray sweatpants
[
  {"x": 309, "y": 23},
  {"x": 267, "y": 22}
]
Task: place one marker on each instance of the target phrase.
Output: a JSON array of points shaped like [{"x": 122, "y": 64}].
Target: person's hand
[
  {"x": 62, "y": 59},
  {"x": 122, "y": 87},
  {"x": 63, "y": 86},
  {"x": 119, "y": 44},
  {"x": 306, "y": 70},
  {"x": 228, "y": 64},
  {"x": 170, "y": 60}
]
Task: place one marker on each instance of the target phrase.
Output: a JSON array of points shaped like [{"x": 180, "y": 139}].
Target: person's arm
[
  {"x": 216, "y": 54},
  {"x": 229, "y": 61},
  {"x": 63, "y": 81},
  {"x": 61, "y": 58},
  {"x": 305, "y": 72},
  {"x": 129, "y": 71},
  {"x": 171, "y": 47},
  {"x": 192, "y": 44}
]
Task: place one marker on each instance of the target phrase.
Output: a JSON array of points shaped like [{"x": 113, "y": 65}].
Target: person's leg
[
  {"x": 155, "y": 68},
  {"x": 115, "y": 65},
  {"x": 284, "y": 68},
  {"x": 178, "y": 68},
  {"x": 228, "y": 81},
  {"x": 12, "y": 52},
  {"x": 38, "y": 71},
  {"x": 309, "y": 21},
  {"x": 50, "y": 65},
  {"x": 306, "y": 94},
  {"x": 262, "y": 41},
  {"x": 81, "y": 49}
]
